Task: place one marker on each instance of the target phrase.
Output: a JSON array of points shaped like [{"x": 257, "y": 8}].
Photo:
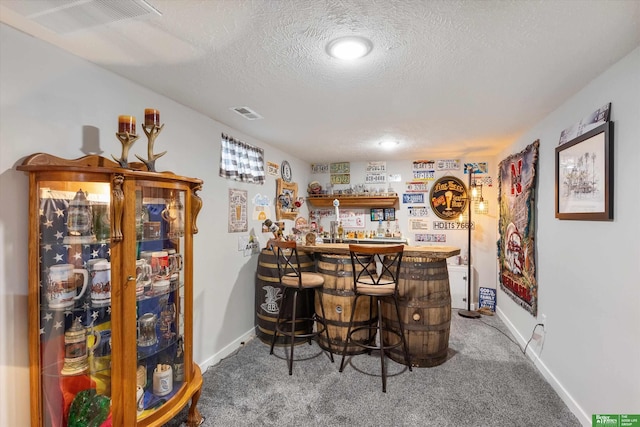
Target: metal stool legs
[
  {"x": 382, "y": 347},
  {"x": 279, "y": 329}
]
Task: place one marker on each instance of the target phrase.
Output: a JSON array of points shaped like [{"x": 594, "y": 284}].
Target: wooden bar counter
[
  {"x": 424, "y": 299},
  {"x": 432, "y": 252}
]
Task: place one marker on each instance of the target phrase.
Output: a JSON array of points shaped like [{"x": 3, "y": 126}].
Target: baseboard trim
[
  {"x": 227, "y": 350},
  {"x": 566, "y": 397}
]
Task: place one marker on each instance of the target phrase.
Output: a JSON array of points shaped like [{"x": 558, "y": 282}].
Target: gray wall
[{"x": 588, "y": 270}]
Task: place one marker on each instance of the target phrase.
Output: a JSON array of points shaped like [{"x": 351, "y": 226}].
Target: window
[{"x": 240, "y": 161}]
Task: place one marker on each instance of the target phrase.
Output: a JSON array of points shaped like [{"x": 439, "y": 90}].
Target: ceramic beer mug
[
  {"x": 101, "y": 284},
  {"x": 143, "y": 276},
  {"x": 63, "y": 286},
  {"x": 76, "y": 349},
  {"x": 173, "y": 213},
  {"x": 175, "y": 261}
]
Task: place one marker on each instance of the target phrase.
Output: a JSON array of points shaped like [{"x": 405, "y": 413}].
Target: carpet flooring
[{"x": 486, "y": 381}]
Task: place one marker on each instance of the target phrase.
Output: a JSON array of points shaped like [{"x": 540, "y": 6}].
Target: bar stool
[
  {"x": 366, "y": 282},
  {"x": 294, "y": 282}
]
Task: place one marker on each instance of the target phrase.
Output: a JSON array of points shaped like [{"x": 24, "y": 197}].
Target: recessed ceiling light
[
  {"x": 388, "y": 144},
  {"x": 350, "y": 47}
]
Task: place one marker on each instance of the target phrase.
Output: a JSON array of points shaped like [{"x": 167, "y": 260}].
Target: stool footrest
[
  {"x": 289, "y": 333},
  {"x": 375, "y": 347}
]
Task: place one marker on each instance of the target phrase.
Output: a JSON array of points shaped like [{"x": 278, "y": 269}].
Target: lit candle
[
  {"x": 151, "y": 117},
  {"x": 127, "y": 124}
]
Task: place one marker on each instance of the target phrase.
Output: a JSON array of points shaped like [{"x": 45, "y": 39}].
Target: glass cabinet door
[
  {"x": 75, "y": 302},
  {"x": 160, "y": 243}
]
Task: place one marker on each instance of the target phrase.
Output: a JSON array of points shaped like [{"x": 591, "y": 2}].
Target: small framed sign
[
  {"x": 390, "y": 214},
  {"x": 377, "y": 214}
]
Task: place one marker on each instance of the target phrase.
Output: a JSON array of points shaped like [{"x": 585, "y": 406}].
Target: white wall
[
  {"x": 47, "y": 97},
  {"x": 588, "y": 270},
  {"x": 483, "y": 245}
]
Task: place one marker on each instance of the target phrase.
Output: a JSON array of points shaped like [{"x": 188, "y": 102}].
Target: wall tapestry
[{"x": 516, "y": 247}]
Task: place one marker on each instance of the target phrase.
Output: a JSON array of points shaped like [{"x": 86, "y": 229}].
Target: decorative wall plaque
[{"x": 448, "y": 198}]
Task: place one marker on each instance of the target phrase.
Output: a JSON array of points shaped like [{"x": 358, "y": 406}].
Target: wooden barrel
[
  {"x": 425, "y": 311},
  {"x": 269, "y": 296},
  {"x": 338, "y": 297}
]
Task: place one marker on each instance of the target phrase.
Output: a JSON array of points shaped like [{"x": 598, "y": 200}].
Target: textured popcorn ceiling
[{"x": 450, "y": 77}]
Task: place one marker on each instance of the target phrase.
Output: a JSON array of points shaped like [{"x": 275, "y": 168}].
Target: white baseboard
[
  {"x": 227, "y": 350},
  {"x": 573, "y": 406}
]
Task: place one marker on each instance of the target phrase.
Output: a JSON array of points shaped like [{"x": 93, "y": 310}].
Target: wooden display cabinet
[{"x": 110, "y": 293}]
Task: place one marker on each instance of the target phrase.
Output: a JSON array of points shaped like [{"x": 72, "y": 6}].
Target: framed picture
[
  {"x": 584, "y": 176},
  {"x": 377, "y": 214},
  {"x": 287, "y": 194},
  {"x": 390, "y": 214}
]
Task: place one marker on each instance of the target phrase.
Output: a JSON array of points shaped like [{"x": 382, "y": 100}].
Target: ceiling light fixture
[
  {"x": 388, "y": 144},
  {"x": 350, "y": 47}
]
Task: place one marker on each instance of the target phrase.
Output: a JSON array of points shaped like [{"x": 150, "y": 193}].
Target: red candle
[
  {"x": 151, "y": 117},
  {"x": 127, "y": 124}
]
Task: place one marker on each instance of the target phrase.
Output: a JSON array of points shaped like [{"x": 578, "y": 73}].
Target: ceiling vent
[
  {"x": 67, "y": 16},
  {"x": 247, "y": 113}
]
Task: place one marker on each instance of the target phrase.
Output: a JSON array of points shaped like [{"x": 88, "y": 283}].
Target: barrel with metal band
[
  {"x": 425, "y": 310},
  {"x": 338, "y": 297},
  {"x": 269, "y": 296}
]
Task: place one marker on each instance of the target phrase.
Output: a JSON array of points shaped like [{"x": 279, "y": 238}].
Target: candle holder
[
  {"x": 126, "y": 139},
  {"x": 152, "y": 132}
]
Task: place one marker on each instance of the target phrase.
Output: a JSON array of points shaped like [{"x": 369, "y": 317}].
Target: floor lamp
[{"x": 472, "y": 185}]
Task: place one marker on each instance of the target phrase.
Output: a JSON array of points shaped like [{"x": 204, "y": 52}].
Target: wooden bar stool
[
  {"x": 365, "y": 260},
  {"x": 294, "y": 281}
]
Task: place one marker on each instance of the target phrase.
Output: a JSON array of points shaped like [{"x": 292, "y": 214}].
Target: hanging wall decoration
[
  {"x": 238, "y": 221},
  {"x": 516, "y": 247},
  {"x": 287, "y": 201}
]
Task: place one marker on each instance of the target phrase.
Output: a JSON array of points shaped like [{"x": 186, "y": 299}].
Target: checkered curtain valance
[{"x": 240, "y": 161}]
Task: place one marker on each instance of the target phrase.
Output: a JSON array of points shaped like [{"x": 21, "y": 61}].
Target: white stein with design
[{"x": 63, "y": 288}]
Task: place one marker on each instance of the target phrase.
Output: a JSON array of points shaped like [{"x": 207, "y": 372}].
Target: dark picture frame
[
  {"x": 377, "y": 214},
  {"x": 389, "y": 214},
  {"x": 584, "y": 176}
]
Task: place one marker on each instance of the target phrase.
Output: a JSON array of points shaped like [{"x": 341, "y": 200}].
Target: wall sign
[
  {"x": 448, "y": 198},
  {"x": 237, "y": 211},
  {"x": 417, "y": 211},
  {"x": 453, "y": 225},
  {"x": 417, "y": 187},
  {"x": 446, "y": 165},
  {"x": 413, "y": 198},
  {"x": 319, "y": 168}
]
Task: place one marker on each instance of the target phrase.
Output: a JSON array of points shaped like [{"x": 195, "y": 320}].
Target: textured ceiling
[{"x": 444, "y": 77}]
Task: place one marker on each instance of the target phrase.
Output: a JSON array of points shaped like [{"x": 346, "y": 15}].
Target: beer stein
[
  {"x": 160, "y": 265},
  {"x": 175, "y": 261},
  {"x": 173, "y": 213},
  {"x": 143, "y": 276},
  {"x": 101, "y": 221},
  {"x": 61, "y": 289},
  {"x": 79, "y": 218},
  {"x": 76, "y": 351},
  {"x": 101, "y": 284},
  {"x": 147, "y": 330}
]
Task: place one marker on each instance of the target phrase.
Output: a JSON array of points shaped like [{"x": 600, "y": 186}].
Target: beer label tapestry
[{"x": 516, "y": 247}]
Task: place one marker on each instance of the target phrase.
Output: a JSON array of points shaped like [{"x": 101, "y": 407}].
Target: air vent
[
  {"x": 247, "y": 113},
  {"x": 67, "y": 16}
]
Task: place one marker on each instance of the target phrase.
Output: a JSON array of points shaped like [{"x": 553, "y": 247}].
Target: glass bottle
[
  {"x": 178, "y": 363},
  {"x": 396, "y": 232},
  {"x": 340, "y": 231},
  {"x": 380, "y": 229}
]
